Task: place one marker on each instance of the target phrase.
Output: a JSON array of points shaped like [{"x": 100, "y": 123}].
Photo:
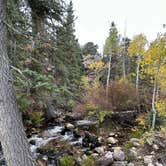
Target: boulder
[
  {"x": 148, "y": 159},
  {"x": 70, "y": 126},
  {"x": 105, "y": 160},
  {"x": 155, "y": 147},
  {"x": 112, "y": 140},
  {"x": 90, "y": 140},
  {"x": 158, "y": 164},
  {"x": 134, "y": 140},
  {"x": 95, "y": 155},
  {"x": 119, "y": 155},
  {"x": 100, "y": 149},
  {"x": 111, "y": 134},
  {"x": 133, "y": 153}
]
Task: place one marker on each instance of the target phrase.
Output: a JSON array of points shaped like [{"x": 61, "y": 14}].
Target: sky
[{"x": 140, "y": 16}]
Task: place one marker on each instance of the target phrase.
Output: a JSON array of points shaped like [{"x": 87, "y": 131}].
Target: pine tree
[{"x": 68, "y": 51}]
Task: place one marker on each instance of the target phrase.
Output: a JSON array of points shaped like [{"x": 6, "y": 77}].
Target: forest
[{"x": 67, "y": 104}]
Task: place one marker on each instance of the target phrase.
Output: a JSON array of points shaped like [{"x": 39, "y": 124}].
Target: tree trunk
[
  {"x": 155, "y": 89},
  {"x": 153, "y": 105},
  {"x": 37, "y": 24},
  {"x": 137, "y": 77},
  {"x": 124, "y": 67},
  {"x": 12, "y": 135},
  {"x": 108, "y": 76}
]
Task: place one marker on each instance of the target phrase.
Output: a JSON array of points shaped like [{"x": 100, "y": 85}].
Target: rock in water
[{"x": 70, "y": 126}]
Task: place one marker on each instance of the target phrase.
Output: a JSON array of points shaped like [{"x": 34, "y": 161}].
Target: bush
[
  {"x": 67, "y": 161},
  {"x": 121, "y": 97},
  {"x": 89, "y": 161}
]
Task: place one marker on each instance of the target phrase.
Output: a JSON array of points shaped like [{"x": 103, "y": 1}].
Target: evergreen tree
[
  {"x": 90, "y": 48},
  {"x": 112, "y": 42},
  {"x": 111, "y": 49},
  {"x": 68, "y": 51}
]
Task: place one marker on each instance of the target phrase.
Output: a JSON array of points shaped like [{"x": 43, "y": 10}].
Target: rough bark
[
  {"x": 12, "y": 135},
  {"x": 37, "y": 24}
]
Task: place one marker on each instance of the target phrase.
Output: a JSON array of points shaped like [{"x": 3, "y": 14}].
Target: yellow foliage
[
  {"x": 137, "y": 46},
  {"x": 85, "y": 81},
  {"x": 96, "y": 65},
  {"x": 161, "y": 107},
  {"x": 141, "y": 120}
]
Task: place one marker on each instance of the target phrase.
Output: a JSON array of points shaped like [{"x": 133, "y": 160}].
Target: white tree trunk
[
  {"x": 108, "y": 75},
  {"x": 155, "y": 92},
  {"x": 12, "y": 135}
]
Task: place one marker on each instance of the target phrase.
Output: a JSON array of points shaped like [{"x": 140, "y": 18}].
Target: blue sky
[{"x": 95, "y": 17}]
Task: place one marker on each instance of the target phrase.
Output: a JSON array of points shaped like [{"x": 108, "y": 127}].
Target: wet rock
[
  {"x": 105, "y": 160},
  {"x": 2, "y": 160},
  {"x": 85, "y": 123},
  {"x": 119, "y": 163},
  {"x": 118, "y": 155},
  {"x": 112, "y": 140},
  {"x": 148, "y": 159},
  {"x": 100, "y": 149},
  {"x": 53, "y": 111},
  {"x": 70, "y": 126},
  {"x": 90, "y": 140},
  {"x": 32, "y": 142}
]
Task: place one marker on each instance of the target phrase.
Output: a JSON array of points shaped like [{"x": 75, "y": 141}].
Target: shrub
[
  {"x": 89, "y": 161},
  {"x": 67, "y": 161},
  {"x": 121, "y": 97}
]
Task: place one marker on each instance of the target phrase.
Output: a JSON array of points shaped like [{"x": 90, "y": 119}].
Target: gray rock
[
  {"x": 112, "y": 140},
  {"x": 136, "y": 144},
  {"x": 105, "y": 160},
  {"x": 70, "y": 126},
  {"x": 119, "y": 155},
  {"x": 149, "y": 141},
  {"x": 150, "y": 164},
  {"x": 100, "y": 140},
  {"x": 134, "y": 140},
  {"x": 133, "y": 153},
  {"x": 155, "y": 147},
  {"x": 120, "y": 163},
  {"x": 148, "y": 159},
  {"x": 158, "y": 164},
  {"x": 100, "y": 149},
  {"x": 111, "y": 134},
  {"x": 130, "y": 164},
  {"x": 95, "y": 155}
]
